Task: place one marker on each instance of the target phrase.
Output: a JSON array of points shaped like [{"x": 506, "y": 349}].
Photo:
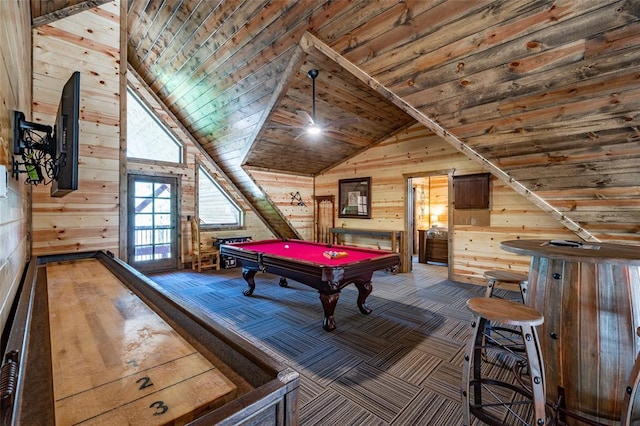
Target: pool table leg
[
  {"x": 329, "y": 301},
  {"x": 248, "y": 275},
  {"x": 364, "y": 290}
]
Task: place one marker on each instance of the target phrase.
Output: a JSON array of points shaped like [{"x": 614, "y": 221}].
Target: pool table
[{"x": 312, "y": 264}]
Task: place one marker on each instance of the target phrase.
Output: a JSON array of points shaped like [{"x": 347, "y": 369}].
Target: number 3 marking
[{"x": 160, "y": 408}]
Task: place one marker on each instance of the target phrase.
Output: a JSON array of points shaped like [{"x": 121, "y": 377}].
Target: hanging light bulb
[{"x": 314, "y": 129}]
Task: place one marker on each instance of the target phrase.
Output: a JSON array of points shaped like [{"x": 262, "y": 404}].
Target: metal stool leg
[
  {"x": 536, "y": 370},
  {"x": 489, "y": 291},
  {"x": 472, "y": 361},
  {"x": 524, "y": 286}
]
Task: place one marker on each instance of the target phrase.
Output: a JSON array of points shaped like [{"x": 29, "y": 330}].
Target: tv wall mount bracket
[{"x": 34, "y": 144}]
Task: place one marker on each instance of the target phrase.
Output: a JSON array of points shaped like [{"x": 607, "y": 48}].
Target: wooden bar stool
[
  {"x": 483, "y": 396},
  {"x": 509, "y": 277}
]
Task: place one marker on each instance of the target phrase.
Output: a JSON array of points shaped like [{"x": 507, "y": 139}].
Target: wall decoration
[
  {"x": 296, "y": 199},
  {"x": 354, "y": 198}
]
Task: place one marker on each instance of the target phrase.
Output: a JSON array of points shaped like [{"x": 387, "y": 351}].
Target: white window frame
[
  {"x": 202, "y": 172},
  {"x": 150, "y": 113}
]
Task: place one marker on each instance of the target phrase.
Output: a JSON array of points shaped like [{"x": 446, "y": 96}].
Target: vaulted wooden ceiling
[{"x": 544, "y": 94}]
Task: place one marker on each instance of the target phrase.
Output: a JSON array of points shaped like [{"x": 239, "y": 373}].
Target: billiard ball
[{"x": 286, "y": 246}]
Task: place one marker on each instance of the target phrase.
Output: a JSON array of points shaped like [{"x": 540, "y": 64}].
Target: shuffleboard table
[
  {"x": 93, "y": 341},
  {"x": 327, "y": 268}
]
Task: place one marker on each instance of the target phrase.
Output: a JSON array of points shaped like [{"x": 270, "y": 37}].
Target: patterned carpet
[{"x": 400, "y": 365}]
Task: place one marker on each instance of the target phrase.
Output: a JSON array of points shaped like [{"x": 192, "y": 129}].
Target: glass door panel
[{"x": 152, "y": 223}]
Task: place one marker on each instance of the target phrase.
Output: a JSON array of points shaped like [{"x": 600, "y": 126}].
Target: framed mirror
[{"x": 354, "y": 198}]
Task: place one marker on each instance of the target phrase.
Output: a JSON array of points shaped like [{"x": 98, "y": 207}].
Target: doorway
[
  {"x": 429, "y": 207},
  {"x": 151, "y": 223}
]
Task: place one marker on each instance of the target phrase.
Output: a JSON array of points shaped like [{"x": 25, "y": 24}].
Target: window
[
  {"x": 147, "y": 138},
  {"x": 215, "y": 208}
]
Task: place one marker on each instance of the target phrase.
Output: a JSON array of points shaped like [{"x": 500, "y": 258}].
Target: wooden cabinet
[
  {"x": 471, "y": 191},
  {"x": 437, "y": 251},
  {"x": 433, "y": 246}
]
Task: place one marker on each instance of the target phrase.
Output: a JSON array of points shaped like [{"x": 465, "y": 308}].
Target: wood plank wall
[
  {"x": 89, "y": 42},
  {"x": 194, "y": 156},
  {"x": 281, "y": 190},
  {"x": 417, "y": 152},
  {"x": 15, "y": 94}
]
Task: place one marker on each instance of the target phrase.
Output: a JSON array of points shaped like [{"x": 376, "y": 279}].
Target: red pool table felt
[{"x": 311, "y": 252}]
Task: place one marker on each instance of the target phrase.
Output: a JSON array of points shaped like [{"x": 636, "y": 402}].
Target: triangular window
[
  {"x": 147, "y": 138},
  {"x": 215, "y": 208}
]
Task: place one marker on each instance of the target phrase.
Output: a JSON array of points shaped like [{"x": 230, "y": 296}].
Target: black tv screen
[{"x": 65, "y": 138}]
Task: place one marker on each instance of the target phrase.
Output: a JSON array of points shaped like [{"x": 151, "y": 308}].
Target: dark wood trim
[{"x": 50, "y": 17}]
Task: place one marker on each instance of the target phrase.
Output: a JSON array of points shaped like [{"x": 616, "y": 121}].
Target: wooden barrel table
[{"x": 590, "y": 297}]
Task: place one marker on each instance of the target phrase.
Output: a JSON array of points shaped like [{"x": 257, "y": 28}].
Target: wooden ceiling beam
[{"x": 45, "y": 12}]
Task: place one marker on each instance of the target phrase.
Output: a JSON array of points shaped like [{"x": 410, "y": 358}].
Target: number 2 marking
[
  {"x": 160, "y": 408},
  {"x": 146, "y": 382}
]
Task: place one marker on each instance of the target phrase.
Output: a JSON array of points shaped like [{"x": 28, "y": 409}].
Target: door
[{"x": 152, "y": 218}]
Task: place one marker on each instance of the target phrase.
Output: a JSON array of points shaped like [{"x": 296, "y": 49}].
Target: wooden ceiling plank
[
  {"x": 526, "y": 35},
  {"x": 256, "y": 48},
  {"x": 136, "y": 19},
  {"x": 228, "y": 120},
  {"x": 245, "y": 92},
  {"x": 484, "y": 71},
  {"x": 200, "y": 57},
  {"x": 477, "y": 29},
  {"x": 609, "y": 205},
  {"x": 620, "y": 106},
  {"x": 563, "y": 182},
  {"x": 244, "y": 63},
  {"x": 383, "y": 36},
  {"x": 189, "y": 17},
  {"x": 350, "y": 15},
  {"x": 186, "y": 11},
  {"x": 148, "y": 19},
  {"x": 220, "y": 111},
  {"x": 357, "y": 96},
  {"x": 587, "y": 169},
  {"x": 555, "y": 146},
  {"x": 216, "y": 94},
  {"x": 157, "y": 30},
  {"x": 309, "y": 42},
  {"x": 335, "y": 87},
  {"x": 568, "y": 78},
  {"x": 387, "y": 22},
  {"x": 590, "y": 194},
  {"x": 598, "y": 86},
  {"x": 200, "y": 27}
]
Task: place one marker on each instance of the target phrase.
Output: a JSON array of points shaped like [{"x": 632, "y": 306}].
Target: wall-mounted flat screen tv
[{"x": 65, "y": 138}]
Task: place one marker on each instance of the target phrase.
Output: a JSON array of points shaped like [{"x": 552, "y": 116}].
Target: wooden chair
[{"x": 204, "y": 256}]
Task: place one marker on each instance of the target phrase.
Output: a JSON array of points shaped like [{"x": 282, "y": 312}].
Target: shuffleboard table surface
[{"x": 115, "y": 361}]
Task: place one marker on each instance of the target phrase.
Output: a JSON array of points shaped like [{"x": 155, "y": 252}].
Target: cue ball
[{"x": 286, "y": 246}]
